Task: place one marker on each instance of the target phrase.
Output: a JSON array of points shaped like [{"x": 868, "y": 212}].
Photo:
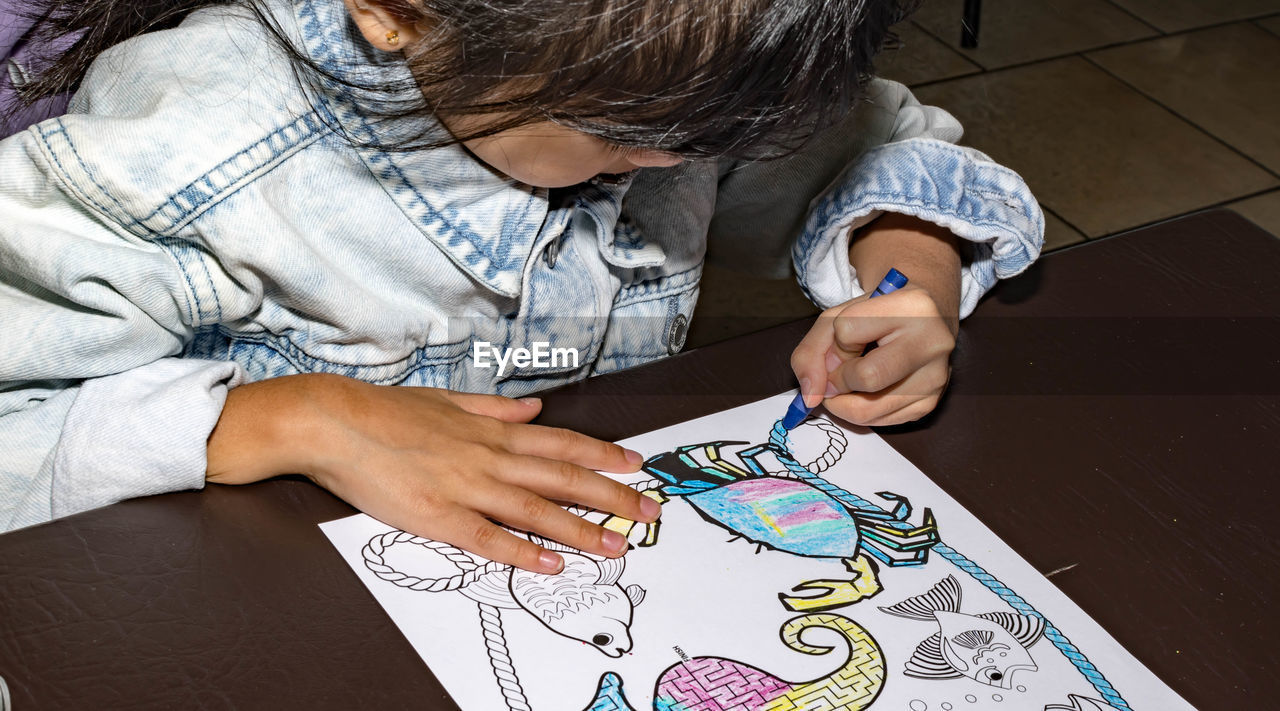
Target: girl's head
[
  {"x": 580, "y": 87},
  {"x": 553, "y": 92}
]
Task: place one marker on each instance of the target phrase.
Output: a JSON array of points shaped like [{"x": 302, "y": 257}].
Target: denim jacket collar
[{"x": 485, "y": 223}]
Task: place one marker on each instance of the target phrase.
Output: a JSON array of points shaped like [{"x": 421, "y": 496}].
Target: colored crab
[{"x": 791, "y": 510}]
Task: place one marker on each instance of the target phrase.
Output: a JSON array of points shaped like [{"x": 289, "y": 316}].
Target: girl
[{"x": 254, "y": 222}]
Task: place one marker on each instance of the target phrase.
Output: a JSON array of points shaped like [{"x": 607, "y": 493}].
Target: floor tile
[
  {"x": 921, "y": 58},
  {"x": 1058, "y": 234},
  {"x": 1177, "y": 15},
  {"x": 1225, "y": 80},
  {"x": 1096, "y": 152},
  {"x": 1016, "y": 31},
  {"x": 1264, "y": 210}
]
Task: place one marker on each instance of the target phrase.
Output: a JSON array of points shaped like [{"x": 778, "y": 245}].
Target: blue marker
[{"x": 891, "y": 282}]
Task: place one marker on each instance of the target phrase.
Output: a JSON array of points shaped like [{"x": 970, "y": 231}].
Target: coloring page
[{"x": 802, "y": 570}]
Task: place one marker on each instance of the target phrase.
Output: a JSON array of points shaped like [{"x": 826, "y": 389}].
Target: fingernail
[
  {"x": 613, "y": 541},
  {"x": 650, "y": 508},
  {"x": 833, "y": 361},
  {"x": 551, "y": 563},
  {"x": 811, "y": 398},
  {"x": 531, "y": 401},
  {"x": 831, "y": 390},
  {"x": 633, "y": 457}
]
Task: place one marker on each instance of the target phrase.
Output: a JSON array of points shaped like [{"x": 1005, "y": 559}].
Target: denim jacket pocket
[{"x": 650, "y": 320}]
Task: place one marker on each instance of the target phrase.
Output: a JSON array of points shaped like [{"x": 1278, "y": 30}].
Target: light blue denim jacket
[{"x": 195, "y": 223}]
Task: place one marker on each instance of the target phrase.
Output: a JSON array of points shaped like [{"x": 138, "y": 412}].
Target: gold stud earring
[{"x": 393, "y": 38}]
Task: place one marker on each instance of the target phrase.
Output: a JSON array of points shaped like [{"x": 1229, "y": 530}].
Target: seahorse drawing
[{"x": 721, "y": 684}]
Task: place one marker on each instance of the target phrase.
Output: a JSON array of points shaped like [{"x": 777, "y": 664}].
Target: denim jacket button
[
  {"x": 551, "y": 254},
  {"x": 677, "y": 333}
]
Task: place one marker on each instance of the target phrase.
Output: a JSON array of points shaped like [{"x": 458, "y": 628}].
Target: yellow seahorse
[{"x": 715, "y": 683}]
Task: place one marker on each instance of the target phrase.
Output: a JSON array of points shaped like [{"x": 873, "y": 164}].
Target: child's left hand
[{"x": 900, "y": 380}]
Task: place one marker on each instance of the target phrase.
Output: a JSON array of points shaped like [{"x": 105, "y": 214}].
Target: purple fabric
[
  {"x": 15, "y": 49},
  {"x": 12, "y": 27}
]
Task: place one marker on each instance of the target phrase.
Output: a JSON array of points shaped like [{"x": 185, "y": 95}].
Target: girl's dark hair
[{"x": 694, "y": 77}]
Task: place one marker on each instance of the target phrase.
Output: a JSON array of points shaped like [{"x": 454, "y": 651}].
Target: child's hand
[
  {"x": 435, "y": 463},
  {"x": 900, "y": 380}
]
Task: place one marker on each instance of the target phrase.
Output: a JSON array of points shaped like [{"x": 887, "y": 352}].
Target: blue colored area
[
  {"x": 609, "y": 695},
  {"x": 762, "y": 519}
]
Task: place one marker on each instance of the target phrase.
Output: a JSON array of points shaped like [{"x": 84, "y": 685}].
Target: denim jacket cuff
[
  {"x": 140, "y": 432},
  {"x": 978, "y": 200}
]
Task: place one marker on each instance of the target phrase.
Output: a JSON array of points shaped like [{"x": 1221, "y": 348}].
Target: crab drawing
[{"x": 792, "y": 510}]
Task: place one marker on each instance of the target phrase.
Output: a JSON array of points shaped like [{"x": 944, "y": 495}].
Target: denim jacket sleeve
[
  {"x": 94, "y": 405},
  {"x": 892, "y": 155}
]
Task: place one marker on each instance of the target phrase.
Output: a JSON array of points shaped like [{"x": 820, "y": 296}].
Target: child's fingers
[
  {"x": 527, "y": 511},
  {"x": 809, "y": 359},
  {"x": 569, "y": 446},
  {"x": 563, "y": 481},
  {"x": 872, "y": 320},
  {"x": 477, "y": 534},
  {"x": 883, "y": 367},
  {"x": 495, "y": 406},
  {"x": 892, "y": 405},
  {"x": 910, "y": 412},
  {"x": 864, "y": 408}
]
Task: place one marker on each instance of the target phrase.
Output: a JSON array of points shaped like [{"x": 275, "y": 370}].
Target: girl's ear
[{"x": 382, "y": 29}]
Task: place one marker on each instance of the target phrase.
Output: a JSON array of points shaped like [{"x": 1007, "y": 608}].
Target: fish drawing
[
  {"x": 583, "y": 602},
  {"x": 987, "y": 648}
]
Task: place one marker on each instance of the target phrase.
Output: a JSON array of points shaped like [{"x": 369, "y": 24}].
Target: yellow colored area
[
  {"x": 625, "y": 526},
  {"x": 852, "y": 687},
  {"x": 839, "y": 593},
  {"x": 619, "y": 525},
  {"x": 651, "y": 536},
  {"x": 656, "y": 495},
  {"x": 865, "y": 579},
  {"x": 713, "y": 456},
  {"x": 766, "y": 518}
]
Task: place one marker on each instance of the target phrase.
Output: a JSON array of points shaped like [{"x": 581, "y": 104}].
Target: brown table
[{"x": 1114, "y": 410}]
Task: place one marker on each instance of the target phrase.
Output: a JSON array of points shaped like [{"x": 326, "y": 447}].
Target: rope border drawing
[
  {"x": 779, "y": 437},
  {"x": 495, "y": 640}
]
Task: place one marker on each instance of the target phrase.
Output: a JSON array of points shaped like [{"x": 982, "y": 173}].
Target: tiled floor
[{"x": 1118, "y": 113}]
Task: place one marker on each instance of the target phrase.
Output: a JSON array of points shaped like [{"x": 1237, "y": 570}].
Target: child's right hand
[{"x": 436, "y": 463}]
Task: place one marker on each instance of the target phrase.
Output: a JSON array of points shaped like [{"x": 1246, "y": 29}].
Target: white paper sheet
[{"x": 709, "y": 632}]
